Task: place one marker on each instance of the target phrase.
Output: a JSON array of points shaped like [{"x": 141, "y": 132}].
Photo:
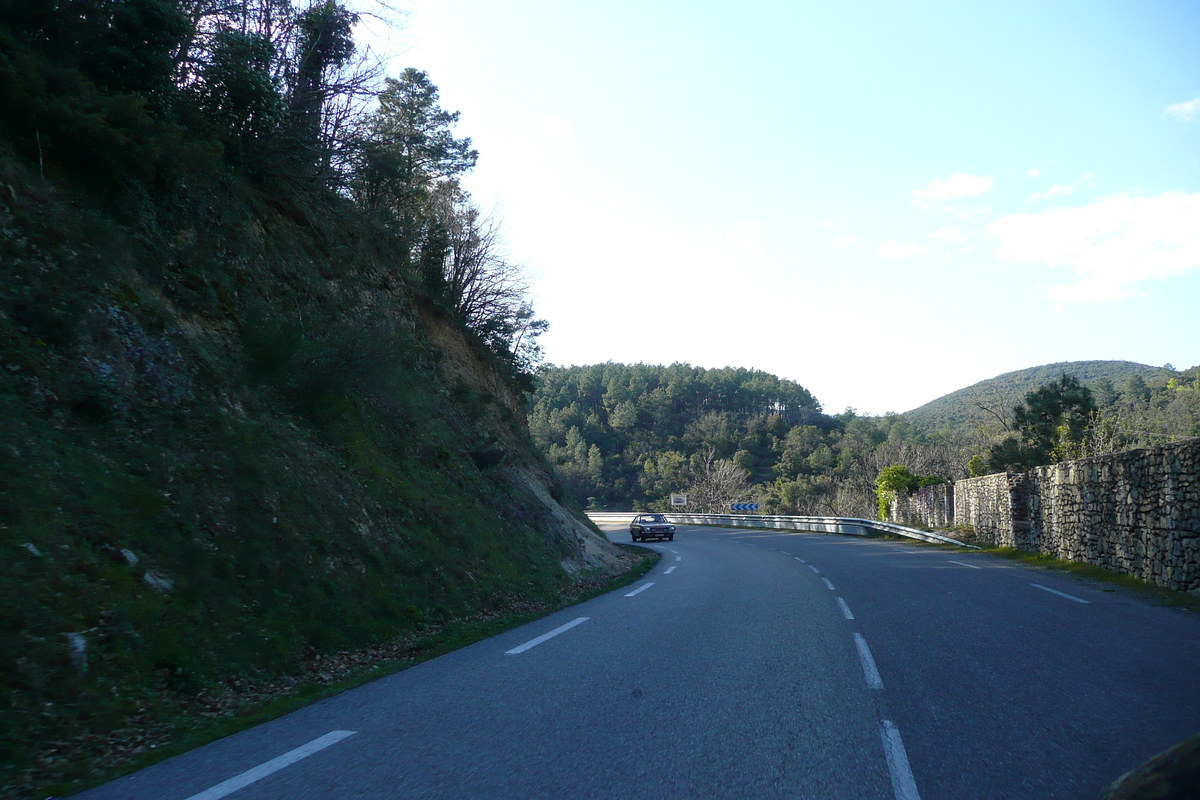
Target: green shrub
[{"x": 898, "y": 478}]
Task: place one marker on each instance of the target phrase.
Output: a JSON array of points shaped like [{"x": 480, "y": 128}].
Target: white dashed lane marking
[
  {"x": 640, "y": 589},
  {"x": 814, "y": 569},
  {"x": 962, "y": 564},
  {"x": 546, "y": 636},
  {"x": 868, "y": 663},
  {"x": 226, "y": 788},
  {"x": 669, "y": 570},
  {"x": 1060, "y": 594},
  {"x": 904, "y": 787},
  {"x": 828, "y": 585},
  {"x": 845, "y": 608}
]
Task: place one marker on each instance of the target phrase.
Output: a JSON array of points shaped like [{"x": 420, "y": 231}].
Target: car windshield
[{"x": 653, "y": 518}]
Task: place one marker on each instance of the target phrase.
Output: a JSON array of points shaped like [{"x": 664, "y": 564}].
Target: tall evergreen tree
[
  {"x": 1049, "y": 420},
  {"x": 409, "y": 149}
]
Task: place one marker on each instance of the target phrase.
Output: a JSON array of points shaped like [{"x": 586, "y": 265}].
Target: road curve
[{"x": 756, "y": 664}]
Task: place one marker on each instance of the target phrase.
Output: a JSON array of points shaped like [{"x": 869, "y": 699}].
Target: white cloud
[
  {"x": 1034, "y": 173},
  {"x": 948, "y": 234},
  {"x": 1186, "y": 112},
  {"x": 844, "y": 241},
  {"x": 745, "y": 236},
  {"x": 959, "y": 184},
  {"x": 1058, "y": 189},
  {"x": 894, "y": 249},
  {"x": 1113, "y": 244},
  {"x": 828, "y": 224},
  {"x": 555, "y": 128},
  {"x": 1061, "y": 189}
]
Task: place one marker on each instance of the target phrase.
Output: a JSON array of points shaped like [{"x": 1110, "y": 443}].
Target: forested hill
[
  {"x": 622, "y": 436},
  {"x": 622, "y": 433},
  {"x": 965, "y": 408},
  {"x": 670, "y": 398}
]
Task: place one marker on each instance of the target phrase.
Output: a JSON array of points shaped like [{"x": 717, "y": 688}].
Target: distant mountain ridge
[{"x": 958, "y": 408}]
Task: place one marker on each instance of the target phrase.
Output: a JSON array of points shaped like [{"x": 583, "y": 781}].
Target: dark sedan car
[{"x": 651, "y": 526}]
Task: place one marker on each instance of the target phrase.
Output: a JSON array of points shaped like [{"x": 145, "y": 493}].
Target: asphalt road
[{"x": 752, "y": 664}]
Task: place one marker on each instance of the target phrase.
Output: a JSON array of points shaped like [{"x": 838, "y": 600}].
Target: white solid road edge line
[
  {"x": 226, "y": 788},
  {"x": 845, "y": 608},
  {"x": 640, "y": 589},
  {"x": 535, "y": 642},
  {"x": 903, "y": 785},
  {"x": 1060, "y": 594},
  {"x": 963, "y": 564},
  {"x": 868, "y": 663}
]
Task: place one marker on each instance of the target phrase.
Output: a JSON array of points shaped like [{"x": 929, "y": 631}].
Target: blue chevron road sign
[{"x": 744, "y": 506}]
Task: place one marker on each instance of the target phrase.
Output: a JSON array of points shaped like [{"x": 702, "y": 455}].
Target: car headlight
[{"x": 670, "y": 529}]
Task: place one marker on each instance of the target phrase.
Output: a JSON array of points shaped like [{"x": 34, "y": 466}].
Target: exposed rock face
[
  {"x": 465, "y": 367},
  {"x": 77, "y": 643},
  {"x": 158, "y": 581},
  {"x": 591, "y": 551}
]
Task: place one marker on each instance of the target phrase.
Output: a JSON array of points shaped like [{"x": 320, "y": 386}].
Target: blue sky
[{"x": 883, "y": 202}]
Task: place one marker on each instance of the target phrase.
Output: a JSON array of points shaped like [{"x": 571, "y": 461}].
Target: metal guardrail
[{"x": 849, "y": 526}]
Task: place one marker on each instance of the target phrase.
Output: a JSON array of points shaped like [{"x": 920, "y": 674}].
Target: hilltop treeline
[
  {"x": 1145, "y": 410},
  {"x": 622, "y": 435},
  {"x": 965, "y": 408}
]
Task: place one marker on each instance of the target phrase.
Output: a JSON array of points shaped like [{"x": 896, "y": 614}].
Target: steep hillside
[
  {"x": 236, "y": 438},
  {"x": 961, "y": 409}
]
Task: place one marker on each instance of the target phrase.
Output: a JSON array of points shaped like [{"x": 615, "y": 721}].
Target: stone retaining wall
[{"x": 1136, "y": 513}]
